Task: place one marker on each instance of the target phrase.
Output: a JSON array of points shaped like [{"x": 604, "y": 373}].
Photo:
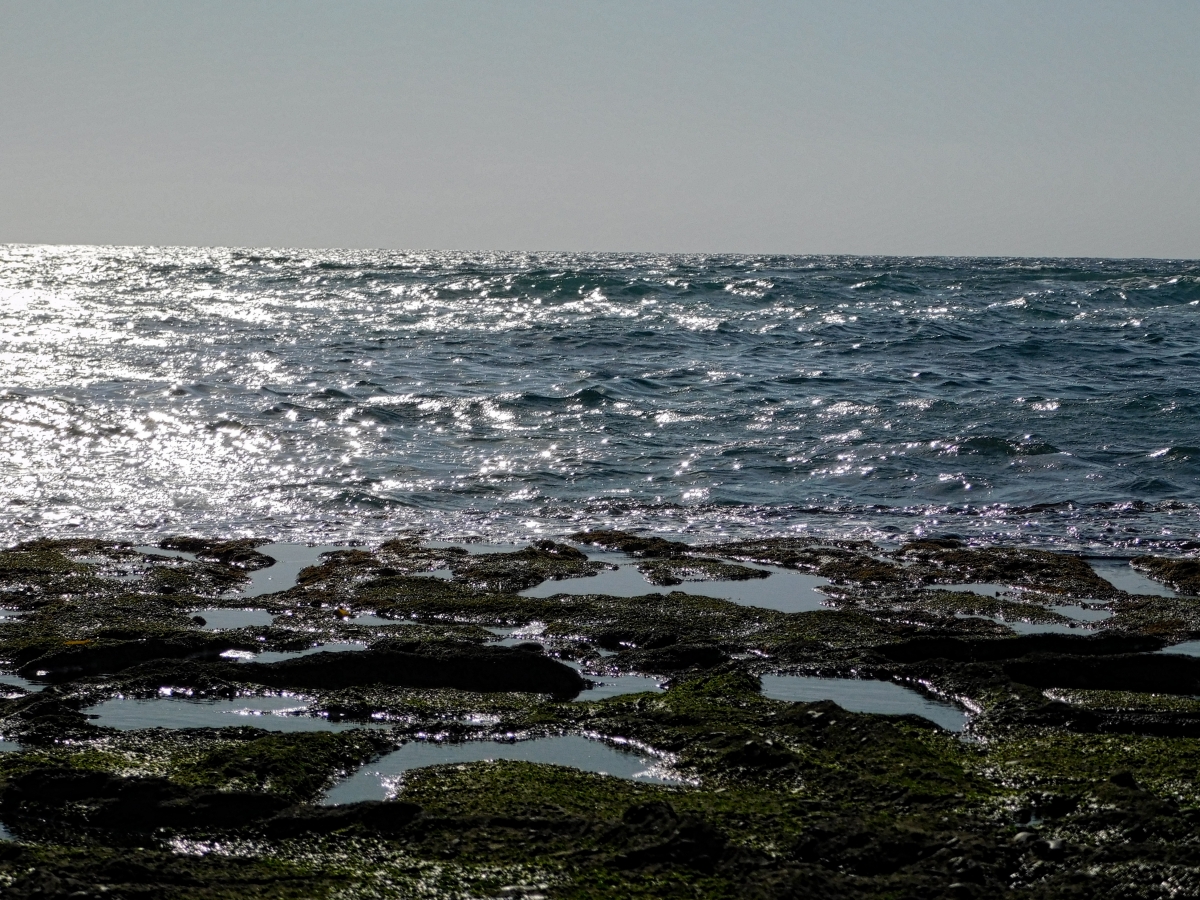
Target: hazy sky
[{"x": 1040, "y": 128}]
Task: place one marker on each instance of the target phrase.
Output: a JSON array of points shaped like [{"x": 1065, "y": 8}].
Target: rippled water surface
[{"x": 325, "y": 396}]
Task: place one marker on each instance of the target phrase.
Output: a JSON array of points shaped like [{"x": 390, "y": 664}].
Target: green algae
[
  {"x": 1181, "y": 574},
  {"x": 782, "y": 799}
]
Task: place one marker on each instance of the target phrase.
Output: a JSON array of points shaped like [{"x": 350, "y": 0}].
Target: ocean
[{"x": 333, "y": 396}]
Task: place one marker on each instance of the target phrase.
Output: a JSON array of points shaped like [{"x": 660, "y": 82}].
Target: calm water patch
[
  {"x": 1083, "y": 613},
  {"x": 268, "y": 713},
  {"x": 381, "y": 780},
  {"x": 618, "y": 685},
  {"x": 1187, "y": 648},
  {"x": 290, "y": 560},
  {"x": 1124, "y": 577},
  {"x": 18, "y": 681},
  {"x": 863, "y": 696},
  {"x": 784, "y": 590},
  {"x": 218, "y": 619},
  {"x": 1084, "y": 620},
  {"x": 270, "y": 656}
]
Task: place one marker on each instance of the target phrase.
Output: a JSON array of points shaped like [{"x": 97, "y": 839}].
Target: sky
[{"x": 908, "y": 128}]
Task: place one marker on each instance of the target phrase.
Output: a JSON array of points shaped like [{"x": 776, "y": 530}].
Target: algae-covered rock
[
  {"x": 676, "y": 570},
  {"x": 1082, "y": 781},
  {"x": 511, "y": 572},
  {"x": 633, "y": 544},
  {"x": 1181, "y": 574},
  {"x": 240, "y": 554}
]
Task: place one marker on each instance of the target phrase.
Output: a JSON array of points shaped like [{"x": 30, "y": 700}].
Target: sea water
[{"x": 320, "y": 397}]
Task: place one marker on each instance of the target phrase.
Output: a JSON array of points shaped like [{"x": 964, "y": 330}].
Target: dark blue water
[{"x": 329, "y": 395}]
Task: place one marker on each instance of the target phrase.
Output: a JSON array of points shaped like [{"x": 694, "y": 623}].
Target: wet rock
[
  {"x": 1183, "y": 575},
  {"x": 92, "y": 658},
  {"x": 987, "y": 650},
  {"x": 1148, "y": 673},
  {"x": 1053, "y": 573},
  {"x": 45, "y": 797},
  {"x": 240, "y": 554},
  {"x": 760, "y": 756},
  {"x": 389, "y": 817},
  {"x": 512, "y": 572},
  {"x": 662, "y": 837},
  {"x": 840, "y": 562},
  {"x": 675, "y": 658},
  {"x": 633, "y": 544},
  {"x": 676, "y": 570},
  {"x": 623, "y": 638},
  {"x": 408, "y": 556}
]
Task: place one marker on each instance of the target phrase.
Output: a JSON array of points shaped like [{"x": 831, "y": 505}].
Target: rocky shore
[{"x": 1076, "y": 775}]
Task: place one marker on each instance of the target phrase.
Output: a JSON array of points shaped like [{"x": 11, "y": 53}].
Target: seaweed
[{"x": 1082, "y": 756}]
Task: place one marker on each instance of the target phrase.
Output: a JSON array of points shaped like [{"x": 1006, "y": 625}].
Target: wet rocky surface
[{"x": 1075, "y": 776}]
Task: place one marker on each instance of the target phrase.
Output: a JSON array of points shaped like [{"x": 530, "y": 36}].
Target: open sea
[{"x": 330, "y": 396}]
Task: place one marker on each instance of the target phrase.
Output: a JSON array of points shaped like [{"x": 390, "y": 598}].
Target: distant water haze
[
  {"x": 781, "y": 126},
  {"x": 330, "y": 396}
]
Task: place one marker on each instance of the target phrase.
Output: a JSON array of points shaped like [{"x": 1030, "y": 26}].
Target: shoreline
[{"x": 372, "y": 650}]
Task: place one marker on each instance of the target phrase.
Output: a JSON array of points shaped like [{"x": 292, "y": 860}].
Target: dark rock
[
  {"x": 634, "y": 545},
  {"x": 464, "y": 667},
  {"x": 662, "y": 837},
  {"x": 624, "y": 638},
  {"x": 384, "y": 817},
  {"x": 676, "y": 657},
  {"x": 676, "y": 570},
  {"x": 240, "y": 554},
  {"x": 1181, "y": 574},
  {"x": 1147, "y": 673},
  {"x": 512, "y": 572},
  {"x": 994, "y": 649},
  {"x": 45, "y": 796},
  {"x": 106, "y": 657}
]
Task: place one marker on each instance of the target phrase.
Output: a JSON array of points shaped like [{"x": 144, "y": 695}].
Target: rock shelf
[{"x": 1074, "y": 773}]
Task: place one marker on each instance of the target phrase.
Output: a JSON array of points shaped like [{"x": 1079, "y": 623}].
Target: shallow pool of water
[
  {"x": 9, "y": 746},
  {"x": 217, "y": 619},
  {"x": 268, "y": 713},
  {"x": 783, "y": 589},
  {"x": 270, "y": 656},
  {"x": 1083, "y": 618},
  {"x": 18, "y": 681},
  {"x": 380, "y": 780},
  {"x": 1187, "y": 648},
  {"x": 1121, "y": 575},
  {"x": 863, "y": 696},
  {"x": 614, "y": 685},
  {"x": 290, "y": 560},
  {"x": 618, "y": 685}
]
